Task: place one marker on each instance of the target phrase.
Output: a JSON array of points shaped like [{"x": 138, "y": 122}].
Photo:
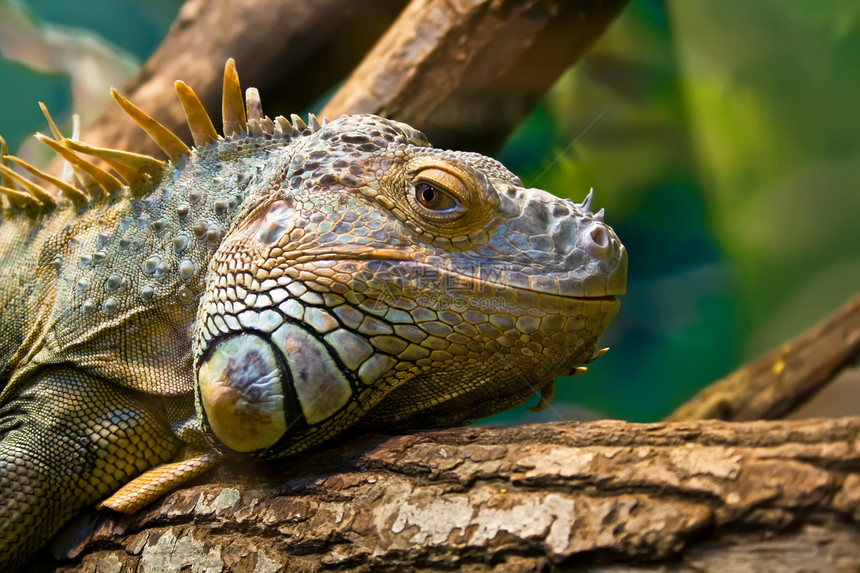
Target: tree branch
[
  {"x": 291, "y": 50},
  {"x": 467, "y": 73},
  {"x": 564, "y": 494},
  {"x": 778, "y": 382}
]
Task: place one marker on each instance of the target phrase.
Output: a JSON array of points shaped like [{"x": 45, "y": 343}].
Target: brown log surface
[{"x": 600, "y": 494}]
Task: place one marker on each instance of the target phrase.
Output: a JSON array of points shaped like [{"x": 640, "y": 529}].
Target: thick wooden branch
[
  {"x": 293, "y": 51},
  {"x": 467, "y": 72},
  {"x": 696, "y": 495},
  {"x": 778, "y": 382}
]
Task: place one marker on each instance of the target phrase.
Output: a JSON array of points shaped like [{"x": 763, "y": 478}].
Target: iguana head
[
  {"x": 371, "y": 279},
  {"x": 345, "y": 274}
]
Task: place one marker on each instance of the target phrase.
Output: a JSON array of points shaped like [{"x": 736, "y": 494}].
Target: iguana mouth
[{"x": 614, "y": 279}]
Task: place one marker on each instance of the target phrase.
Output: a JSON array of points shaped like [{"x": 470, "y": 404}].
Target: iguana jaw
[
  {"x": 554, "y": 282},
  {"x": 287, "y": 373}
]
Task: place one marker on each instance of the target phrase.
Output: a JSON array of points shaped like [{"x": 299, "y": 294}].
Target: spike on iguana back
[
  {"x": 254, "y": 108},
  {"x": 69, "y": 172},
  {"x": 126, "y": 174},
  {"x": 8, "y": 178},
  {"x": 75, "y": 195},
  {"x": 19, "y": 198},
  {"x": 201, "y": 126},
  {"x": 286, "y": 126},
  {"x": 130, "y": 166},
  {"x": 107, "y": 182},
  {"x": 253, "y": 104},
  {"x": 174, "y": 147},
  {"x": 232, "y": 104},
  {"x": 4, "y": 154},
  {"x": 43, "y": 196},
  {"x": 298, "y": 123},
  {"x": 54, "y": 129}
]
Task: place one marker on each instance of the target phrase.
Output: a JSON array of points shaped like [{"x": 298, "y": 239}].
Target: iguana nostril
[
  {"x": 599, "y": 236},
  {"x": 598, "y": 241}
]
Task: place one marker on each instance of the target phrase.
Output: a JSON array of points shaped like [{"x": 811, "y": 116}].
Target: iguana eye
[
  {"x": 440, "y": 193},
  {"x": 434, "y": 199}
]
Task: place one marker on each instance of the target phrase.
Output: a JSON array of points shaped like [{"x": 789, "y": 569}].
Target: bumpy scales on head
[{"x": 264, "y": 291}]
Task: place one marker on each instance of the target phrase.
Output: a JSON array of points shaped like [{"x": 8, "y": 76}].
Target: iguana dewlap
[{"x": 264, "y": 291}]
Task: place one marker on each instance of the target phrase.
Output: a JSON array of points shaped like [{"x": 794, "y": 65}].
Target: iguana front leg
[{"x": 66, "y": 441}]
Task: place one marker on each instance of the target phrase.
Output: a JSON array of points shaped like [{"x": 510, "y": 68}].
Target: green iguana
[{"x": 264, "y": 291}]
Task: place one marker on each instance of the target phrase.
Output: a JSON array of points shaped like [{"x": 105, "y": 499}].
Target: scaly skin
[{"x": 287, "y": 283}]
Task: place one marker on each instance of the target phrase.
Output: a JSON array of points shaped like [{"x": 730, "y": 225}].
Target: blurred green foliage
[
  {"x": 725, "y": 147},
  {"x": 136, "y": 26},
  {"x": 723, "y": 138},
  {"x": 57, "y": 51}
]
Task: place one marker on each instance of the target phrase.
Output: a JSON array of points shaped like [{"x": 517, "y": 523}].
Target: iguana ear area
[
  {"x": 264, "y": 223},
  {"x": 444, "y": 199}
]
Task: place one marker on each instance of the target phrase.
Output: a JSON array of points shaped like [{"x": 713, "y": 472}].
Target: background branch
[
  {"x": 779, "y": 381},
  {"x": 466, "y": 72},
  {"x": 292, "y": 51}
]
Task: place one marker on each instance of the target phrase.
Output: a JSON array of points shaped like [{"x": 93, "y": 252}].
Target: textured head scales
[{"x": 369, "y": 279}]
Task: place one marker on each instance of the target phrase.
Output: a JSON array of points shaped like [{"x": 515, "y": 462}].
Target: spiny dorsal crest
[{"x": 88, "y": 181}]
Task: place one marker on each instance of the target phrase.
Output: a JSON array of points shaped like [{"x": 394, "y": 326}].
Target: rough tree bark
[
  {"x": 610, "y": 495},
  {"x": 690, "y": 496}
]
